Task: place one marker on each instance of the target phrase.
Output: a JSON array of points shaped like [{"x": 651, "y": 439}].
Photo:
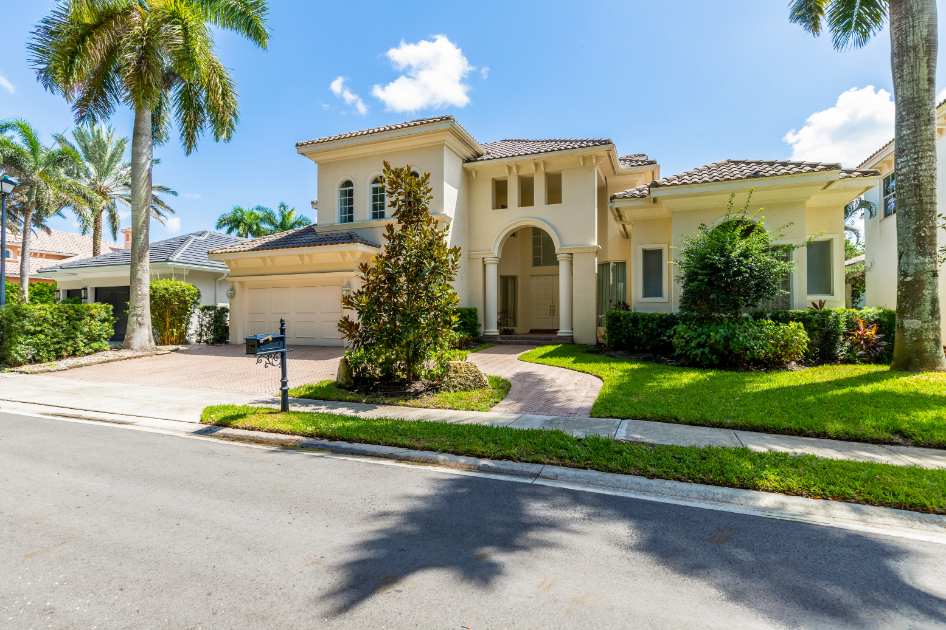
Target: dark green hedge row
[
  {"x": 649, "y": 333},
  {"x": 469, "y": 324},
  {"x": 37, "y": 333}
]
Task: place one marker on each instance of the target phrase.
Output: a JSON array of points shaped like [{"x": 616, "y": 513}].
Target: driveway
[{"x": 536, "y": 389}]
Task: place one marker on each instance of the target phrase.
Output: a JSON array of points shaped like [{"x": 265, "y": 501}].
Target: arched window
[
  {"x": 346, "y": 202},
  {"x": 377, "y": 198}
]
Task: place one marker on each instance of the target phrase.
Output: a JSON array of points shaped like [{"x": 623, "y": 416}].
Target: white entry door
[
  {"x": 311, "y": 313},
  {"x": 545, "y": 303}
]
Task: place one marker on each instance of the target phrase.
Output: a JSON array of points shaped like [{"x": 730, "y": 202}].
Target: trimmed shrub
[
  {"x": 647, "y": 333},
  {"x": 43, "y": 293},
  {"x": 212, "y": 325},
  {"x": 468, "y": 324},
  {"x": 739, "y": 342},
  {"x": 172, "y": 306},
  {"x": 38, "y": 333},
  {"x": 826, "y": 328}
]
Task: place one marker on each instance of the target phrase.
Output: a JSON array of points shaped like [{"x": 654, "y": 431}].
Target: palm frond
[
  {"x": 854, "y": 22},
  {"x": 809, "y": 14}
]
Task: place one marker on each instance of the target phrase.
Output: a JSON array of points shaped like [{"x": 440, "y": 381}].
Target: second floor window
[
  {"x": 346, "y": 202},
  {"x": 377, "y": 198},
  {"x": 890, "y": 194}
]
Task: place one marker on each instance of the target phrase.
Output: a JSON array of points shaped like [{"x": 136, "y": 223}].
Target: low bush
[
  {"x": 739, "y": 342},
  {"x": 212, "y": 325},
  {"x": 172, "y": 306},
  {"x": 469, "y": 324},
  {"x": 37, "y": 333},
  {"x": 640, "y": 332},
  {"x": 43, "y": 293},
  {"x": 826, "y": 331}
]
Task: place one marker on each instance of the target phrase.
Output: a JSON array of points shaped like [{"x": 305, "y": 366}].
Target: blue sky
[{"x": 687, "y": 82}]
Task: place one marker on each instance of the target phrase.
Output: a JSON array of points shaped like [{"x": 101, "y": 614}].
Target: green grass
[
  {"x": 478, "y": 400},
  {"x": 482, "y": 346},
  {"x": 902, "y": 487},
  {"x": 867, "y": 403}
]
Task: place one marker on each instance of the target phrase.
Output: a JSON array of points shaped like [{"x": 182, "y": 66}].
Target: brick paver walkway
[{"x": 538, "y": 389}]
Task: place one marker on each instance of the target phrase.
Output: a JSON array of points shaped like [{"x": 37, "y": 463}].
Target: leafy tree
[
  {"x": 45, "y": 186},
  {"x": 157, "y": 57},
  {"x": 246, "y": 223},
  {"x": 283, "y": 222},
  {"x": 913, "y": 37},
  {"x": 727, "y": 269},
  {"x": 405, "y": 306},
  {"x": 108, "y": 175}
]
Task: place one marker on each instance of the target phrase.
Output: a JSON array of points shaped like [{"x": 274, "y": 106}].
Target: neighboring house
[
  {"x": 47, "y": 250},
  {"x": 552, "y": 233},
  {"x": 105, "y": 278}
]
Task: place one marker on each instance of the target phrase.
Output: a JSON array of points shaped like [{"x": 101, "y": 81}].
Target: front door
[
  {"x": 118, "y": 297},
  {"x": 545, "y": 303}
]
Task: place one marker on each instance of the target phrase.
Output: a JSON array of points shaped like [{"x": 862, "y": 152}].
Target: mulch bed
[{"x": 396, "y": 389}]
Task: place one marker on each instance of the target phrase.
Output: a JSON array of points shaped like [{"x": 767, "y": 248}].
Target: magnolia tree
[
  {"x": 728, "y": 269},
  {"x": 406, "y": 306}
]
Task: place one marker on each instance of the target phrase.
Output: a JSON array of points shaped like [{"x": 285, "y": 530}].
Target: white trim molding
[
  {"x": 639, "y": 272},
  {"x": 837, "y": 269}
]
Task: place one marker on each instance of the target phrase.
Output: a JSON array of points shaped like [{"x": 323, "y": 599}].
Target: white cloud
[
  {"x": 434, "y": 76},
  {"x": 941, "y": 97},
  {"x": 173, "y": 225},
  {"x": 859, "y": 123},
  {"x": 484, "y": 71},
  {"x": 191, "y": 195},
  {"x": 338, "y": 89},
  {"x": 5, "y": 83}
]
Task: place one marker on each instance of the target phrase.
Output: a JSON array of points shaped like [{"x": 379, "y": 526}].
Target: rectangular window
[
  {"x": 543, "y": 249},
  {"x": 784, "y": 301},
  {"x": 820, "y": 270},
  {"x": 890, "y": 195},
  {"x": 553, "y": 188},
  {"x": 652, "y": 274},
  {"x": 377, "y": 201},
  {"x": 612, "y": 287},
  {"x": 346, "y": 205},
  {"x": 500, "y": 194},
  {"x": 526, "y": 192},
  {"x": 508, "y": 301}
]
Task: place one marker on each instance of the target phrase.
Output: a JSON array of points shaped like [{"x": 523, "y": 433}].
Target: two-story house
[{"x": 552, "y": 232}]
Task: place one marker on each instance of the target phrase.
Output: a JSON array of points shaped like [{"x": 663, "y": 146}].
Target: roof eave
[
  {"x": 311, "y": 150},
  {"x": 537, "y": 156}
]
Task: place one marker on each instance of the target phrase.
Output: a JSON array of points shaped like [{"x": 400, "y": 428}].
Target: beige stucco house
[
  {"x": 880, "y": 225},
  {"x": 552, "y": 232}
]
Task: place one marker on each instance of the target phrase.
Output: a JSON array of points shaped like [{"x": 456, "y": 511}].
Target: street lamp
[{"x": 7, "y": 185}]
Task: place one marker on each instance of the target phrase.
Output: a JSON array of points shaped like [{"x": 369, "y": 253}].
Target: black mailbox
[{"x": 263, "y": 344}]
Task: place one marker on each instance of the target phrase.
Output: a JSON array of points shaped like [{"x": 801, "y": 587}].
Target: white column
[
  {"x": 491, "y": 316},
  {"x": 565, "y": 295}
]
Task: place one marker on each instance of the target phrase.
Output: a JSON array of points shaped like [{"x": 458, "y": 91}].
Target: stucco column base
[
  {"x": 565, "y": 295},
  {"x": 491, "y": 316}
]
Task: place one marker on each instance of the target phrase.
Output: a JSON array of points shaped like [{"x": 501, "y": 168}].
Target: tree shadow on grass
[{"x": 790, "y": 572}]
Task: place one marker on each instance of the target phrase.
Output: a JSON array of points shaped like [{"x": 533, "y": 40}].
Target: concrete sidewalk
[{"x": 185, "y": 405}]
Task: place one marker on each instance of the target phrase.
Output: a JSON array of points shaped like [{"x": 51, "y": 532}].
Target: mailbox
[{"x": 264, "y": 344}]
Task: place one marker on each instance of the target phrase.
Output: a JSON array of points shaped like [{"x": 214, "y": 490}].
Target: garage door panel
[
  {"x": 330, "y": 330},
  {"x": 330, "y": 299},
  {"x": 307, "y": 299},
  {"x": 257, "y": 327},
  {"x": 281, "y": 302},
  {"x": 305, "y": 329},
  {"x": 257, "y": 301}
]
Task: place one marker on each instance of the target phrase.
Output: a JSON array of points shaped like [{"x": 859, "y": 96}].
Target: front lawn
[
  {"x": 902, "y": 487},
  {"x": 478, "y": 400},
  {"x": 867, "y": 403}
]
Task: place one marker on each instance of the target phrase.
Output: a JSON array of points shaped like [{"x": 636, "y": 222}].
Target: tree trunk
[
  {"x": 139, "y": 335},
  {"x": 25, "y": 254},
  {"x": 97, "y": 233},
  {"x": 913, "y": 38}
]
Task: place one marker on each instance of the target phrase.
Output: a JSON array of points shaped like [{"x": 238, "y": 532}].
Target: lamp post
[{"x": 6, "y": 187}]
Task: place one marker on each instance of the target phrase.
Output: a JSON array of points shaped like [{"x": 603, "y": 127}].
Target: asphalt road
[{"x": 107, "y": 527}]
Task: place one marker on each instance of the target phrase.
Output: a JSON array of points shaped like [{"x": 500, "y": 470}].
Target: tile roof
[
  {"x": 300, "y": 237},
  {"x": 69, "y": 244},
  {"x": 732, "y": 170},
  {"x": 186, "y": 248},
  {"x": 635, "y": 159},
  {"x": 373, "y": 130},
  {"x": 13, "y": 266},
  {"x": 516, "y": 148},
  {"x": 876, "y": 153}
]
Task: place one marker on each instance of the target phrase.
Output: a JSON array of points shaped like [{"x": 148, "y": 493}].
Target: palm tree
[
  {"x": 285, "y": 221},
  {"x": 108, "y": 175},
  {"x": 45, "y": 187},
  {"x": 913, "y": 38},
  {"x": 158, "y": 57},
  {"x": 246, "y": 223}
]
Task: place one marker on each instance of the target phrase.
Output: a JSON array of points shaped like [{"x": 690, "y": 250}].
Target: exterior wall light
[
  {"x": 346, "y": 290},
  {"x": 85, "y": 294},
  {"x": 231, "y": 292}
]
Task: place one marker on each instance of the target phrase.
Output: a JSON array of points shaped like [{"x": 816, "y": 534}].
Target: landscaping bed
[
  {"x": 883, "y": 485},
  {"x": 864, "y": 403},
  {"x": 107, "y": 356},
  {"x": 418, "y": 394}
]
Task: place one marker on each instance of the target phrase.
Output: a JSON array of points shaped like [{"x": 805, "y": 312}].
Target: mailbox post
[{"x": 272, "y": 350}]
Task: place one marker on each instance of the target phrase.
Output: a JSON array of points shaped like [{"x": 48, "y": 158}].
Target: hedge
[
  {"x": 38, "y": 333},
  {"x": 649, "y": 333},
  {"x": 469, "y": 324}
]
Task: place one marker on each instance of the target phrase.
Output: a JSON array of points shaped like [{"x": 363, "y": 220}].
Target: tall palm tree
[
  {"x": 45, "y": 186},
  {"x": 108, "y": 175},
  {"x": 246, "y": 223},
  {"x": 913, "y": 38},
  {"x": 283, "y": 222},
  {"x": 157, "y": 57}
]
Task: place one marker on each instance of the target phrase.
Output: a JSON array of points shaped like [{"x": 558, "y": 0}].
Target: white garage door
[{"x": 311, "y": 313}]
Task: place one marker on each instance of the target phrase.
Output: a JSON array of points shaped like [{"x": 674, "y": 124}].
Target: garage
[{"x": 311, "y": 312}]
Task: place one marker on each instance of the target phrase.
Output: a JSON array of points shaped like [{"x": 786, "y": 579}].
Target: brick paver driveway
[{"x": 536, "y": 389}]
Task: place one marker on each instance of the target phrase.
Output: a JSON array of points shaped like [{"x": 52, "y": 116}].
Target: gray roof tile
[
  {"x": 300, "y": 237},
  {"x": 516, "y": 148},
  {"x": 186, "y": 248},
  {"x": 374, "y": 130},
  {"x": 636, "y": 159}
]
